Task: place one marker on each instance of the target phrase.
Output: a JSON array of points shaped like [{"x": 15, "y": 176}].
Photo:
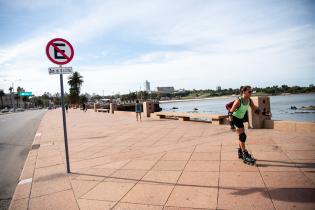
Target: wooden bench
[
  {"x": 215, "y": 119},
  {"x": 102, "y": 110},
  {"x": 178, "y": 115},
  {"x": 219, "y": 119}
]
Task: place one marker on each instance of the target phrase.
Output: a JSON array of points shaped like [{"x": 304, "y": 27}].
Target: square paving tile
[
  {"x": 86, "y": 204},
  {"x": 152, "y": 194},
  {"x": 275, "y": 156},
  {"x": 206, "y": 147},
  {"x": 139, "y": 164},
  {"x": 114, "y": 164},
  {"x": 109, "y": 191},
  {"x": 64, "y": 200},
  {"x": 176, "y": 156},
  {"x": 22, "y": 191},
  {"x": 51, "y": 161},
  {"x": 287, "y": 180},
  {"x": 241, "y": 179},
  {"x": 181, "y": 208},
  {"x": 194, "y": 165},
  {"x": 132, "y": 206},
  {"x": 193, "y": 197},
  {"x": 205, "y": 156},
  {"x": 154, "y": 157},
  {"x": 300, "y": 155},
  {"x": 293, "y": 198},
  {"x": 162, "y": 176},
  {"x": 21, "y": 204},
  {"x": 170, "y": 165},
  {"x": 266, "y": 165},
  {"x": 49, "y": 180},
  {"x": 80, "y": 187},
  {"x": 199, "y": 178},
  {"x": 244, "y": 198},
  {"x": 96, "y": 173},
  {"x": 229, "y": 155},
  {"x": 126, "y": 175},
  {"x": 311, "y": 176},
  {"x": 236, "y": 165},
  {"x": 28, "y": 171}
]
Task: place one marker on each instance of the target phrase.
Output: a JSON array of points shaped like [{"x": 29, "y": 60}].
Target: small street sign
[
  {"x": 25, "y": 93},
  {"x": 60, "y": 70},
  {"x": 59, "y": 51}
]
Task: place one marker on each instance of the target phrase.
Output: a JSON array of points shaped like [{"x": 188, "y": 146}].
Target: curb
[{"x": 22, "y": 193}]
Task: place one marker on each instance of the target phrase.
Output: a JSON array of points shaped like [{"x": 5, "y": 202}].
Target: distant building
[
  {"x": 219, "y": 88},
  {"x": 9, "y": 99},
  {"x": 165, "y": 89},
  {"x": 147, "y": 86},
  {"x": 182, "y": 90}
]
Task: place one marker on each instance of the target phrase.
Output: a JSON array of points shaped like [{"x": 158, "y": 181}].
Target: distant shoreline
[
  {"x": 195, "y": 99},
  {"x": 222, "y": 97}
]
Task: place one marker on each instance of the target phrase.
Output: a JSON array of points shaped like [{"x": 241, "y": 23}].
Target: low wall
[{"x": 301, "y": 127}]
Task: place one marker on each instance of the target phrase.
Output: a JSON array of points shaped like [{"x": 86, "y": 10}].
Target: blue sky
[{"x": 191, "y": 44}]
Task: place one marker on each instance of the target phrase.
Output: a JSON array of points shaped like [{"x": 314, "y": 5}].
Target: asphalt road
[{"x": 17, "y": 132}]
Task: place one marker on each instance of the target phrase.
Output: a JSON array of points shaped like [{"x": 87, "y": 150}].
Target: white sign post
[{"x": 60, "y": 51}]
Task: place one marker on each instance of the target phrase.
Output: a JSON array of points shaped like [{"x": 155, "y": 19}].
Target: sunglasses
[{"x": 250, "y": 91}]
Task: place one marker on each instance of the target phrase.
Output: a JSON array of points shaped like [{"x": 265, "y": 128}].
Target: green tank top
[{"x": 240, "y": 112}]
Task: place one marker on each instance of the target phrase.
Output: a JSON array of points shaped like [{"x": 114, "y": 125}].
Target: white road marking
[
  {"x": 38, "y": 134},
  {"x": 25, "y": 181}
]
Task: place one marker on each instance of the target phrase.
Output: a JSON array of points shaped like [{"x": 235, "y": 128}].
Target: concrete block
[
  {"x": 268, "y": 124},
  {"x": 255, "y": 120},
  {"x": 148, "y": 108},
  {"x": 112, "y": 107}
]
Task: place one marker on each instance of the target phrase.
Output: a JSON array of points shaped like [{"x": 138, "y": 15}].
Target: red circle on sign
[{"x": 68, "y": 58}]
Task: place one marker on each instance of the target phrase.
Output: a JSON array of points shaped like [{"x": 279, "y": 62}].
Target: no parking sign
[{"x": 59, "y": 51}]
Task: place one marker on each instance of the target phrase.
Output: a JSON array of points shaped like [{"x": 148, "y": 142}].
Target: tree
[
  {"x": 75, "y": 81},
  {"x": 1, "y": 95},
  {"x": 83, "y": 98},
  {"x": 17, "y": 97},
  {"x": 56, "y": 98}
]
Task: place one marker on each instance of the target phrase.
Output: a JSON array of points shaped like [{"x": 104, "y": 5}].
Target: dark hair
[
  {"x": 244, "y": 88},
  {"x": 241, "y": 90},
  {"x": 137, "y": 101}
]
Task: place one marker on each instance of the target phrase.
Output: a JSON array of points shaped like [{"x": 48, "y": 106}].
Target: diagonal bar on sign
[{"x": 62, "y": 53}]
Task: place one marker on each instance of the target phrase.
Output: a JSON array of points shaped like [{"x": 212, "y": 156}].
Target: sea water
[{"x": 280, "y": 106}]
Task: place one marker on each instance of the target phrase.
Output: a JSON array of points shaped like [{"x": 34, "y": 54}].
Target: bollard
[
  {"x": 255, "y": 120},
  {"x": 148, "y": 108},
  {"x": 112, "y": 108}
]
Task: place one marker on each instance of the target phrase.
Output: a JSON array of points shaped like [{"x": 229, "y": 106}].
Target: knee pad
[{"x": 242, "y": 137}]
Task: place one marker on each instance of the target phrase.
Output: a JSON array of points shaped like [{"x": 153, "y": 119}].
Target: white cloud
[{"x": 203, "y": 44}]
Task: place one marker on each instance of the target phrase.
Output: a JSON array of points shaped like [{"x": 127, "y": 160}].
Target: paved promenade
[{"x": 118, "y": 163}]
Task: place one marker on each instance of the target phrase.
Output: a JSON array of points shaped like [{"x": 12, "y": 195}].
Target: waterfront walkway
[{"x": 119, "y": 163}]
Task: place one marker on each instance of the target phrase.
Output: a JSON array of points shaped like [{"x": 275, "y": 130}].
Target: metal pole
[
  {"x": 13, "y": 97},
  {"x": 64, "y": 124}
]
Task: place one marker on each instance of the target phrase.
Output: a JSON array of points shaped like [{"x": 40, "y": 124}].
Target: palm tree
[
  {"x": 18, "y": 90},
  {"x": 1, "y": 95},
  {"x": 75, "y": 81}
]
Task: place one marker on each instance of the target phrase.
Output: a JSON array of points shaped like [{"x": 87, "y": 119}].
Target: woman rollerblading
[{"x": 238, "y": 111}]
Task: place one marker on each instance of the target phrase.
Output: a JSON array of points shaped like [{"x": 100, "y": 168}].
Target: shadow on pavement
[{"x": 300, "y": 195}]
